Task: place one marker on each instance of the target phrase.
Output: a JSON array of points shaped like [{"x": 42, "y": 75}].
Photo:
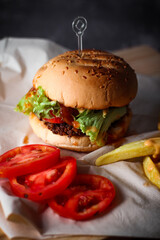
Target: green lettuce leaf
[
  {"x": 90, "y": 123},
  {"x": 36, "y": 101},
  {"x": 95, "y": 123}
]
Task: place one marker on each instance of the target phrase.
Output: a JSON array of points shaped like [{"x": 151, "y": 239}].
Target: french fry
[
  {"x": 131, "y": 150},
  {"x": 151, "y": 171}
]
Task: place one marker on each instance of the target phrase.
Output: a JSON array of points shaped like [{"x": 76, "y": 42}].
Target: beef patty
[{"x": 64, "y": 129}]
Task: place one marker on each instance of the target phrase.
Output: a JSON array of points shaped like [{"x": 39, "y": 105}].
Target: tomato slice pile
[
  {"x": 27, "y": 159},
  {"x": 84, "y": 198},
  {"x": 37, "y": 172}
]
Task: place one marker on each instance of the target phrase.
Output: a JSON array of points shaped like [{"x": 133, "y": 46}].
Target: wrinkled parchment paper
[{"x": 136, "y": 209}]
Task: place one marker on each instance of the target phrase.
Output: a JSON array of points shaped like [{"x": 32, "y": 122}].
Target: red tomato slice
[
  {"x": 28, "y": 159},
  {"x": 85, "y": 197},
  {"x": 54, "y": 120},
  {"x": 85, "y": 205},
  {"x": 46, "y": 184},
  {"x": 59, "y": 201}
]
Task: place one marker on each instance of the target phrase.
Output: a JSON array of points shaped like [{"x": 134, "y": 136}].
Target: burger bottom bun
[{"x": 79, "y": 144}]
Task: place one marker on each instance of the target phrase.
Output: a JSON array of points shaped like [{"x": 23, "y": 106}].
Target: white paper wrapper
[{"x": 136, "y": 209}]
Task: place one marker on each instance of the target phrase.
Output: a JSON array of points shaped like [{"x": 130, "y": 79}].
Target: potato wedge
[
  {"x": 131, "y": 150},
  {"x": 152, "y": 171}
]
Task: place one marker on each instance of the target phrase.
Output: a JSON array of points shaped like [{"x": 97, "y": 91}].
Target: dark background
[{"x": 112, "y": 24}]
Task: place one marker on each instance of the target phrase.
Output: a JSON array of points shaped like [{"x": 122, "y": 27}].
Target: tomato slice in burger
[
  {"x": 54, "y": 120},
  {"x": 86, "y": 196},
  {"x": 46, "y": 184},
  {"x": 28, "y": 159}
]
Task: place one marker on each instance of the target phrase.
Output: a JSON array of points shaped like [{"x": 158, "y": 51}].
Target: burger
[{"x": 81, "y": 101}]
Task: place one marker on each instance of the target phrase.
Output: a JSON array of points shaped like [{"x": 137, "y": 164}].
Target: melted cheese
[{"x": 151, "y": 143}]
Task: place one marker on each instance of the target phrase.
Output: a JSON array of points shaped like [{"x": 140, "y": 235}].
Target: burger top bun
[{"x": 94, "y": 80}]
